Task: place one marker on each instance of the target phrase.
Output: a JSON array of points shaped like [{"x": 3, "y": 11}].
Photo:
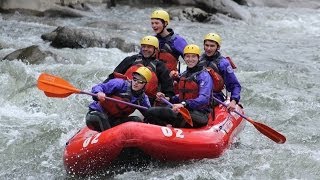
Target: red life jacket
[
  {"x": 188, "y": 87},
  {"x": 170, "y": 61},
  {"x": 218, "y": 82},
  {"x": 119, "y": 75},
  {"x": 117, "y": 109},
  {"x": 152, "y": 85},
  {"x": 166, "y": 53},
  {"x": 231, "y": 62}
]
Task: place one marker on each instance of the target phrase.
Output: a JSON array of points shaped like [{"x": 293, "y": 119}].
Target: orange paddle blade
[
  {"x": 54, "y": 86},
  {"x": 264, "y": 129},
  {"x": 183, "y": 111},
  {"x": 56, "y": 94},
  {"x": 269, "y": 132},
  {"x": 186, "y": 115}
]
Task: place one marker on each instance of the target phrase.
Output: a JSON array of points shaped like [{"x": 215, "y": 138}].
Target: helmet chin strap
[
  {"x": 164, "y": 26},
  {"x": 162, "y": 30},
  {"x": 154, "y": 52}
]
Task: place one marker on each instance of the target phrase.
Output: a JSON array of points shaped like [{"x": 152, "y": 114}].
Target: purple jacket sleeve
[
  {"x": 205, "y": 87},
  {"x": 146, "y": 102},
  {"x": 110, "y": 87},
  {"x": 179, "y": 44},
  {"x": 231, "y": 81}
]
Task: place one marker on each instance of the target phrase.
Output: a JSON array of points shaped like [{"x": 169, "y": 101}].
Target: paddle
[
  {"x": 264, "y": 129},
  {"x": 54, "y": 86},
  {"x": 183, "y": 111}
]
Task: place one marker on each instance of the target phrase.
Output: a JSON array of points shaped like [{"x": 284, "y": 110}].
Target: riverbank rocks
[
  {"x": 83, "y": 38},
  {"x": 191, "y": 14},
  {"x": 61, "y": 11},
  {"x": 54, "y": 8},
  {"x": 228, "y": 7},
  {"x": 30, "y": 55}
]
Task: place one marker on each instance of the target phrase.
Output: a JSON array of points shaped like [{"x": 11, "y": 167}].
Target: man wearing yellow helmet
[
  {"x": 160, "y": 80},
  {"x": 104, "y": 114},
  {"x": 213, "y": 59},
  {"x": 195, "y": 87},
  {"x": 171, "y": 45}
]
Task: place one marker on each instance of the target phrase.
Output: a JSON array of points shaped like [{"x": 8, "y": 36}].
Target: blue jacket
[
  {"x": 202, "y": 102},
  {"x": 227, "y": 73},
  {"x": 176, "y": 43},
  {"x": 115, "y": 86}
]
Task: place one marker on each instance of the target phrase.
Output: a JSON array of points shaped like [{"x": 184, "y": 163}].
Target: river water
[{"x": 278, "y": 57}]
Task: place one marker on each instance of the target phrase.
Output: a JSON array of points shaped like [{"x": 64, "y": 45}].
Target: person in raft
[
  {"x": 213, "y": 59},
  {"x": 160, "y": 80},
  {"x": 104, "y": 114},
  {"x": 195, "y": 86},
  {"x": 171, "y": 45}
]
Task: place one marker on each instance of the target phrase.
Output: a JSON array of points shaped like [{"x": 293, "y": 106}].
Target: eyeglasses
[{"x": 138, "y": 80}]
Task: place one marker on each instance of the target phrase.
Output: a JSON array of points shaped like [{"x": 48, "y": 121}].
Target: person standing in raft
[
  {"x": 195, "y": 86},
  {"x": 213, "y": 59},
  {"x": 104, "y": 114},
  {"x": 160, "y": 80},
  {"x": 171, "y": 44}
]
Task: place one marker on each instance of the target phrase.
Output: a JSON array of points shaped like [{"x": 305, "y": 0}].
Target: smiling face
[
  {"x": 157, "y": 25},
  {"x": 210, "y": 47},
  {"x": 148, "y": 50},
  {"x": 191, "y": 59}
]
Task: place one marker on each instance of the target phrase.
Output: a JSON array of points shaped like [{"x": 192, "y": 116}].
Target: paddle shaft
[
  {"x": 116, "y": 100},
  {"x": 166, "y": 101},
  {"x": 264, "y": 129},
  {"x": 53, "y": 85},
  {"x": 225, "y": 105}
]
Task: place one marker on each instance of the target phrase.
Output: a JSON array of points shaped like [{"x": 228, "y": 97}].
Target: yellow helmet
[
  {"x": 150, "y": 40},
  {"x": 144, "y": 72},
  {"x": 160, "y": 14},
  {"x": 213, "y": 37},
  {"x": 192, "y": 49}
]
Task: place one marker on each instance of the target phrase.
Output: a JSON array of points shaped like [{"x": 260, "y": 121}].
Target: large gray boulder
[
  {"x": 30, "y": 55},
  {"x": 191, "y": 14},
  {"x": 52, "y": 8},
  {"x": 228, "y": 7},
  {"x": 42, "y": 5},
  {"x": 83, "y": 38},
  {"x": 75, "y": 38},
  {"x": 61, "y": 11},
  {"x": 37, "y": 5}
]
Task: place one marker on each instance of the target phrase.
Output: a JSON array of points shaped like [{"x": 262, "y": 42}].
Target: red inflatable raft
[{"x": 89, "y": 151}]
